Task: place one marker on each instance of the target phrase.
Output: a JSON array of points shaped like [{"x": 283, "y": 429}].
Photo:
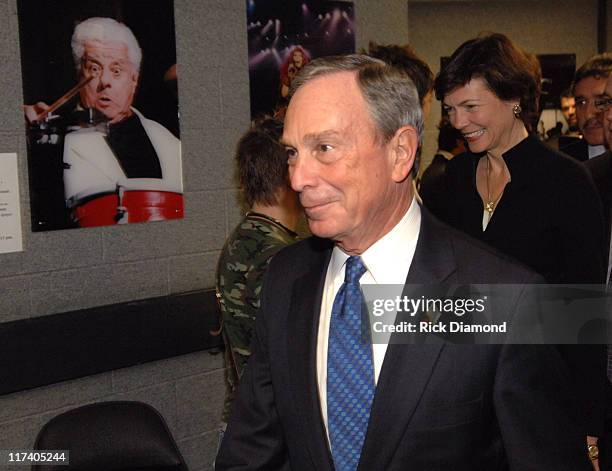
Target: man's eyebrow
[
  {"x": 314, "y": 137},
  {"x": 320, "y": 136}
]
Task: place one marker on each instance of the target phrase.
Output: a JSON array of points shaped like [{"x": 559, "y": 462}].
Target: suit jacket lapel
[
  {"x": 301, "y": 347},
  {"x": 407, "y": 368}
]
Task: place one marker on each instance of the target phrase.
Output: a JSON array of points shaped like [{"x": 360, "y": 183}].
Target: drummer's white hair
[{"x": 104, "y": 30}]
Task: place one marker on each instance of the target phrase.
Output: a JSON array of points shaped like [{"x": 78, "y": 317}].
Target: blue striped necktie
[{"x": 350, "y": 372}]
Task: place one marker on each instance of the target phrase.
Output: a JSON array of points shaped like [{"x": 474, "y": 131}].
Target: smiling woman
[
  {"x": 489, "y": 90},
  {"x": 515, "y": 193},
  {"x": 510, "y": 190}
]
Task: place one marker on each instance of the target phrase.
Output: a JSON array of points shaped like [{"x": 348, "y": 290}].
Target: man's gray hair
[
  {"x": 104, "y": 30},
  {"x": 391, "y": 96}
]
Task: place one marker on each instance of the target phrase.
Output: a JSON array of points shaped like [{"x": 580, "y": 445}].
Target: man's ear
[
  {"x": 404, "y": 145},
  {"x": 135, "y": 78}
]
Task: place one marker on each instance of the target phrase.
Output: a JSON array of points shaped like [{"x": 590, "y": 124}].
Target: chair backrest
[{"x": 111, "y": 436}]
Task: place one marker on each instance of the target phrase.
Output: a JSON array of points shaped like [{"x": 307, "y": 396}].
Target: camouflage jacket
[{"x": 240, "y": 270}]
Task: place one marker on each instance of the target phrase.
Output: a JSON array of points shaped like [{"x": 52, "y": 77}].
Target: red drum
[
  {"x": 128, "y": 206},
  {"x": 97, "y": 191}
]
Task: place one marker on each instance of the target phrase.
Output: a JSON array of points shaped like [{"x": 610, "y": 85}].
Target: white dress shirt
[
  {"x": 594, "y": 151},
  {"x": 388, "y": 262}
]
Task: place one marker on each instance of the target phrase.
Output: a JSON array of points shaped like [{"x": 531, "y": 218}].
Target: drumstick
[{"x": 64, "y": 98}]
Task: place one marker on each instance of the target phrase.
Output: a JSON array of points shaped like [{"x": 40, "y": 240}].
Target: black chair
[{"x": 111, "y": 436}]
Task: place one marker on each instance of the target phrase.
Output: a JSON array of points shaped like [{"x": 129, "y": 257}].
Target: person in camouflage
[{"x": 267, "y": 228}]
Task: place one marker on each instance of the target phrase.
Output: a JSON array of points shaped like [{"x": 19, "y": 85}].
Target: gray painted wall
[
  {"x": 186, "y": 390},
  {"x": 67, "y": 270}
]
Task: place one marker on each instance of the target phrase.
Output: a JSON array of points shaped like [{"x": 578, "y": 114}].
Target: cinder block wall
[
  {"x": 73, "y": 269},
  {"x": 186, "y": 390}
]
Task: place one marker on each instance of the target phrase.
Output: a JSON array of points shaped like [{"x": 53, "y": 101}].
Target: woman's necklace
[{"x": 490, "y": 205}]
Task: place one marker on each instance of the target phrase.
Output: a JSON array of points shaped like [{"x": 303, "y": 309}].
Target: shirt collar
[
  {"x": 594, "y": 151},
  {"x": 388, "y": 259}
]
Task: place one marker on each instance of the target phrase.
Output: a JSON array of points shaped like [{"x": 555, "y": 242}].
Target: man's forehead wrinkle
[
  {"x": 113, "y": 49},
  {"x": 112, "y": 57},
  {"x": 314, "y": 114}
]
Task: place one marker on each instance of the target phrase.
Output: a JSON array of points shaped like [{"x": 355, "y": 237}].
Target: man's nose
[
  {"x": 104, "y": 79},
  {"x": 302, "y": 173}
]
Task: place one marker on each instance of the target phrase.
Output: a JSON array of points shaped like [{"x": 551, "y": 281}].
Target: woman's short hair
[
  {"x": 509, "y": 72},
  {"x": 104, "y": 30}
]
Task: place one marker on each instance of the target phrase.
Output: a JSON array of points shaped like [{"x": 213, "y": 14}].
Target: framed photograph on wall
[{"x": 101, "y": 112}]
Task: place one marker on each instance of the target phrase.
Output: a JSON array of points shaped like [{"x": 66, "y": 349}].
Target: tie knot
[{"x": 354, "y": 269}]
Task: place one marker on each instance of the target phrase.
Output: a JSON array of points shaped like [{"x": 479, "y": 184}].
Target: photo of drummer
[{"x": 117, "y": 166}]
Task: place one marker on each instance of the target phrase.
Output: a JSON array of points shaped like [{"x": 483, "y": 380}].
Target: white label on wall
[{"x": 10, "y": 214}]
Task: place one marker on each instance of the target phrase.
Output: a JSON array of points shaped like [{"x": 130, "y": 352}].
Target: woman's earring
[{"x": 516, "y": 109}]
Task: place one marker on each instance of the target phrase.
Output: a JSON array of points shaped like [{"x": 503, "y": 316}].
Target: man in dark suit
[
  {"x": 351, "y": 131},
  {"x": 601, "y": 170},
  {"x": 601, "y": 167},
  {"x": 588, "y": 87}
]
